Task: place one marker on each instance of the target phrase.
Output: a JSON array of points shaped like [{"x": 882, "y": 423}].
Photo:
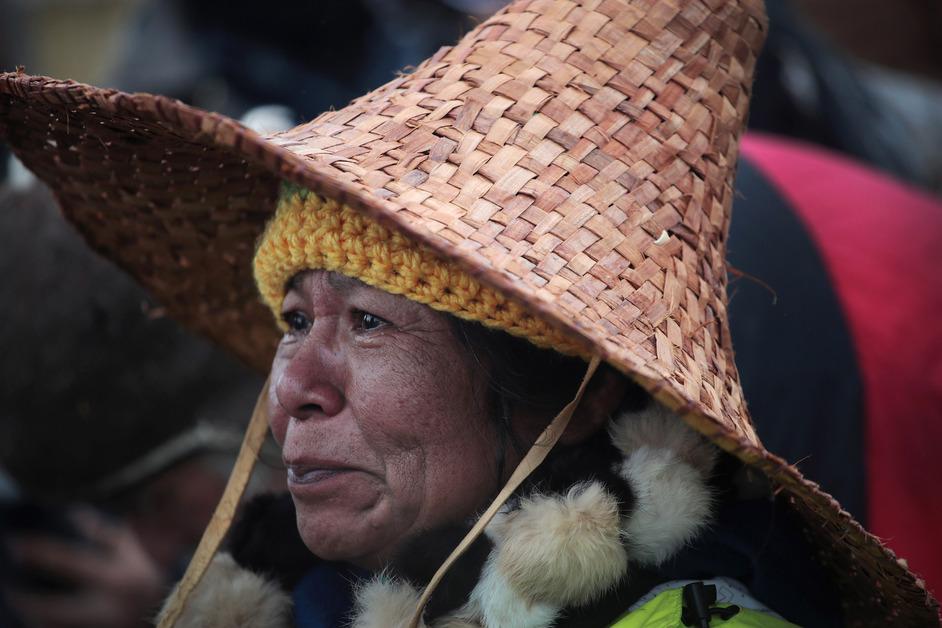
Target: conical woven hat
[{"x": 575, "y": 156}]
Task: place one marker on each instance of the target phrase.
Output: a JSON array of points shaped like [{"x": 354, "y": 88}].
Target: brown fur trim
[
  {"x": 385, "y": 602},
  {"x": 229, "y": 596},
  {"x": 564, "y": 549}
]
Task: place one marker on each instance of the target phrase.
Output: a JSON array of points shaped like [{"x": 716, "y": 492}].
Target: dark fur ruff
[
  {"x": 586, "y": 530},
  {"x": 265, "y": 540}
]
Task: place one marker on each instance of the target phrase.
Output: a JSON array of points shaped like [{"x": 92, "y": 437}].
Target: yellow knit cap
[{"x": 311, "y": 232}]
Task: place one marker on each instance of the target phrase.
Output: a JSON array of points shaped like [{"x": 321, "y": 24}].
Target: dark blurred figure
[
  {"x": 905, "y": 35},
  {"x": 837, "y": 335},
  {"x": 808, "y": 89},
  {"x": 307, "y": 56},
  {"x": 118, "y": 430}
]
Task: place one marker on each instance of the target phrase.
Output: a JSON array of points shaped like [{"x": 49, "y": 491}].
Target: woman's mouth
[{"x": 311, "y": 475}]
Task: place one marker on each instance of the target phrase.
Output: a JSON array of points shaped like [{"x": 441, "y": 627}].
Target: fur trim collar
[
  {"x": 230, "y": 596},
  {"x": 571, "y": 535}
]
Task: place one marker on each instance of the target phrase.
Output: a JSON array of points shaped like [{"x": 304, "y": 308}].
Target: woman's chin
[{"x": 336, "y": 532}]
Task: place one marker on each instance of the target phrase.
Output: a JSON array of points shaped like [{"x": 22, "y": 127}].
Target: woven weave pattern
[
  {"x": 559, "y": 141},
  {"x": 158, "y": 204}
]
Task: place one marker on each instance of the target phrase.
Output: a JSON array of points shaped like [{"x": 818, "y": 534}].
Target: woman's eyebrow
[
  {"x": 294, "y": 283},
  {"x": 340, "y": 283},
  {"x": 343, "y": 283}
]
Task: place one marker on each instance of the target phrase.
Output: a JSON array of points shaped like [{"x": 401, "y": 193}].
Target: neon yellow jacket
[{"x": 664, "y": 611}]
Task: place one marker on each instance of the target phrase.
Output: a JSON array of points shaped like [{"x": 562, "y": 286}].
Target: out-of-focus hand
[{"x": 117, "y": 585}]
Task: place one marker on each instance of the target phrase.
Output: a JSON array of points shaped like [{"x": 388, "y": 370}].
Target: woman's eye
[
  {"x": 297, "y": 322},
  {"x": 364, "y": 321}
]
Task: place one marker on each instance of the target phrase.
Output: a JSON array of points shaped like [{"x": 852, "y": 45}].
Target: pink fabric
[{"x": 882, "y": 244}]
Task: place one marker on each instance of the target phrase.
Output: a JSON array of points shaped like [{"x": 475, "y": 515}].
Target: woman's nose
[{"x": 305, "y": 383}]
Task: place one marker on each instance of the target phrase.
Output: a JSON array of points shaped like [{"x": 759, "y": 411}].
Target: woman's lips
[{"x": 311, "y": 475}]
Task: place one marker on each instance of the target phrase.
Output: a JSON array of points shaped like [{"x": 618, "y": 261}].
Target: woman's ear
[{"x": 602, "y": 397}]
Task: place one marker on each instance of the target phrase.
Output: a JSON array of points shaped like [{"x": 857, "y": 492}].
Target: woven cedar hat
[{"x": 574, "y": 158}]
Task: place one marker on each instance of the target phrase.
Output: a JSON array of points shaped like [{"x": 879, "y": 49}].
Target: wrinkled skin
[{"x": 382, "y": 419}]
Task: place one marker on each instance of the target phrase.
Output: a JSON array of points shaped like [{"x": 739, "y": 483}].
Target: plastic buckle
[{"x": 698, "y": 605}]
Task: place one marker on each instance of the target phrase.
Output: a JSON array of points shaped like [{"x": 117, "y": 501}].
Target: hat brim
[{"x": 177, "y": 197}]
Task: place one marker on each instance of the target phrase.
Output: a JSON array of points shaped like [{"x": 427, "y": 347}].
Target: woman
[{"x": 563, "y": 175}]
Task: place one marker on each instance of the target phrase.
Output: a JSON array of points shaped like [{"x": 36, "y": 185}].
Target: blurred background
[{"x": 849, "y": 388}]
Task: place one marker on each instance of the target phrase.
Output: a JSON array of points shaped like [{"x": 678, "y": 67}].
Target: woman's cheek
[
  {"x": 277, "y": 417},
  {"x": 278, "y": 427}
]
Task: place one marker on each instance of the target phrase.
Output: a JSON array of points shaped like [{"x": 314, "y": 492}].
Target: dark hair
[{"x": 520, "y": 374}]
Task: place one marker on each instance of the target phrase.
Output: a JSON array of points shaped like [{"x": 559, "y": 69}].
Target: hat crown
[{"x": 583, "y": 152}]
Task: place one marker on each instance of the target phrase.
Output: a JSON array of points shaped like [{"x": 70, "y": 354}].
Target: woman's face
[{"x": 382, "y": 422}]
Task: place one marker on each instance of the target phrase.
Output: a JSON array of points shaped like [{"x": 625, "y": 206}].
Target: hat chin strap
[
  {"x": 248, "y": 454},
  {"x": 537, "y": 453},
  {"x": 225, "y": 511}
]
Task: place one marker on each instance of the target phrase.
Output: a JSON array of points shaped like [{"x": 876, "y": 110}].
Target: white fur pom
[
  {"x": 384, "y": 602},
  {"x": 563, "y": 549},
  {"x": 667, "y": 465},
  {"x": 229, "y": 596},
  {"x": 495, "y": 604},
  {"x": 657, "y": 427},
  {"x": 673, "y": 504}
]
